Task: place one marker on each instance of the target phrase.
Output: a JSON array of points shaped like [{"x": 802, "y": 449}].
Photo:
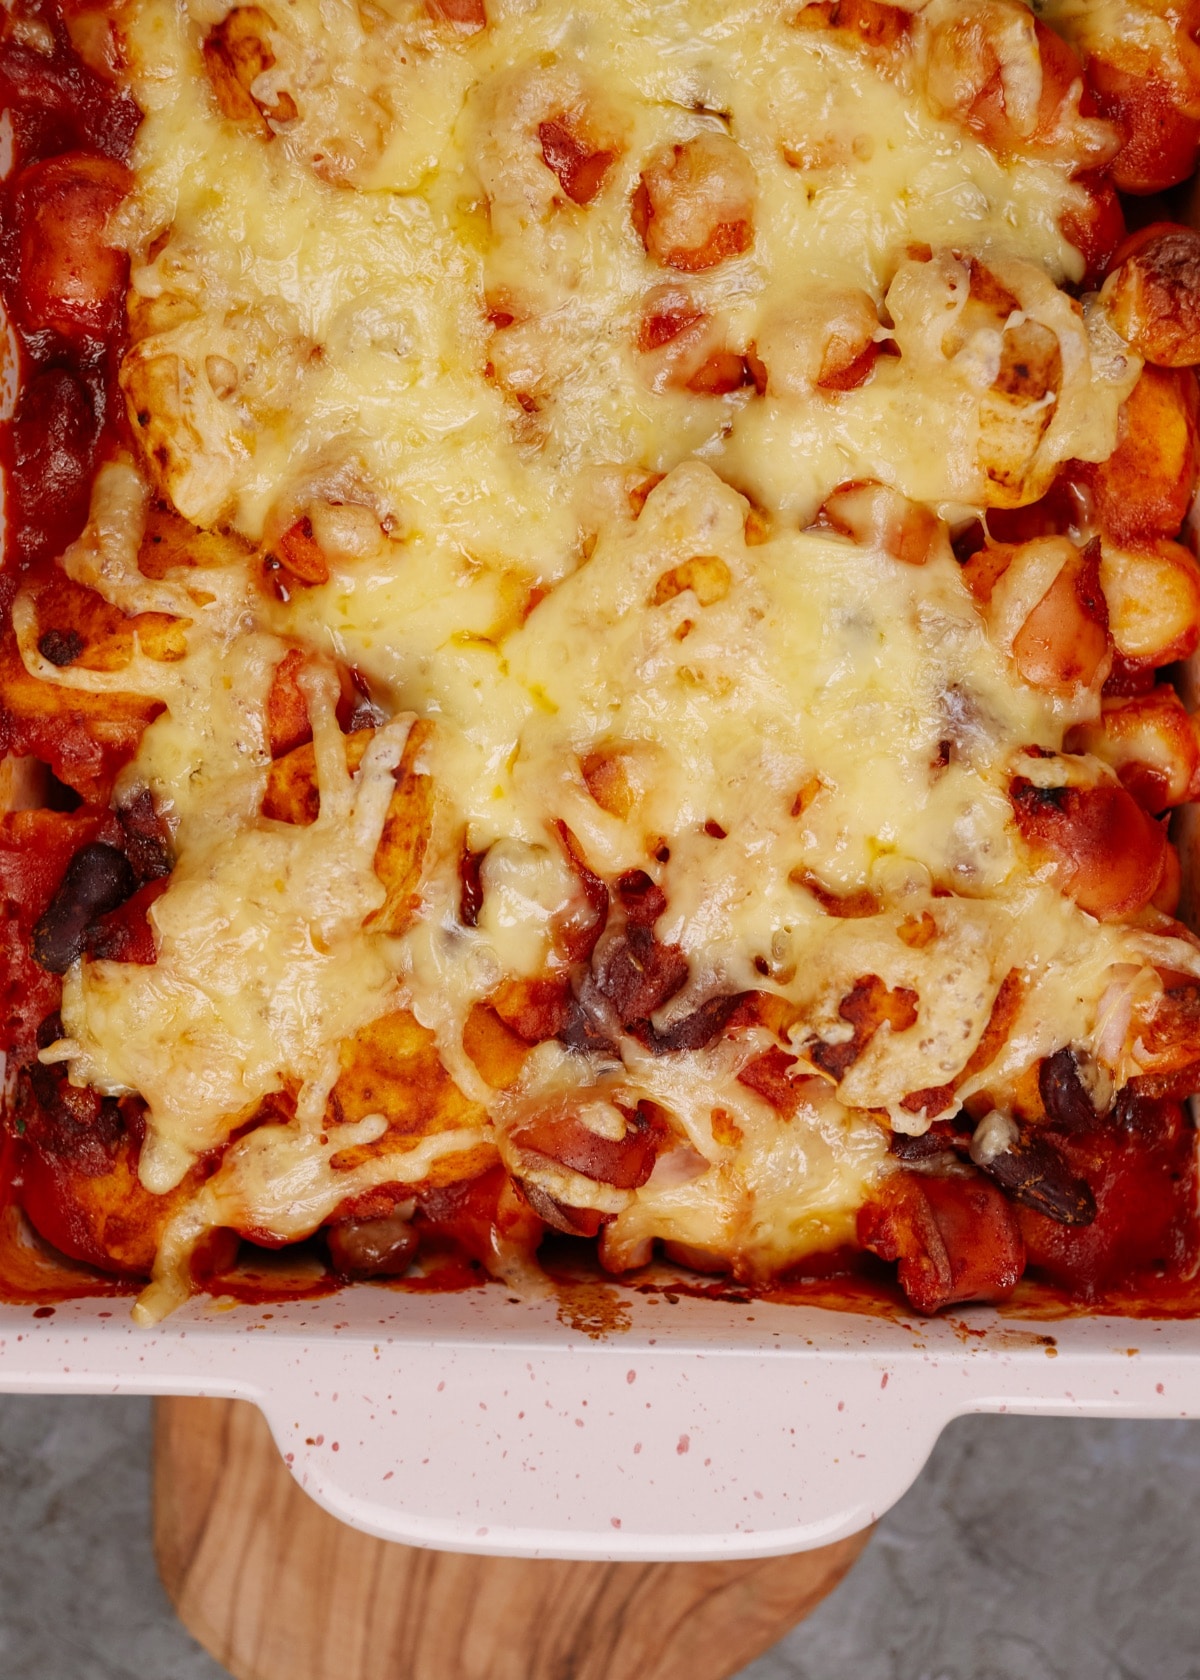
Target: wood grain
[{"x": 276, "y": 1589}]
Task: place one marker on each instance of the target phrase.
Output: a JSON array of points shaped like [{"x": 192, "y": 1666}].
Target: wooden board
[{"x": 276, "y": 1589}]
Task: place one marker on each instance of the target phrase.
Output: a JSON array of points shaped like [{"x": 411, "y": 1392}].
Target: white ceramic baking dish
[{"x": 698, "y": 1429}]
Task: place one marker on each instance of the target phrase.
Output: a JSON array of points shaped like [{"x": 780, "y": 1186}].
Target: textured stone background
[{"x": 1031, "y": 1549}]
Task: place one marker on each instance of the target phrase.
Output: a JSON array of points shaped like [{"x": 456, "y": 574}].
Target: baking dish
[{"x": 691, "y": 1429}]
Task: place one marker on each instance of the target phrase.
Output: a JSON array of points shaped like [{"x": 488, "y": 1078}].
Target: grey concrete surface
[{"x": 1031, "y": 1549}]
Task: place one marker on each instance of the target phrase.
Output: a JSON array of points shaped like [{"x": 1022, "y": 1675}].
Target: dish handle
[{"x": 603, "y": 1452}]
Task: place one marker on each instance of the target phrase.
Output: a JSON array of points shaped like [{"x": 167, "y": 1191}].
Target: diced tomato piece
[
  {"x": 485, "y": 1217},
  {"x": 581, "y": 167},
  {"x": 956, "y": 1239},
  {"x": 71, "y": 278},
  {"x": 466, "y": 16},
  {"x": 625, "y": 1163},
  {"x": 1143, "y": 1177}
]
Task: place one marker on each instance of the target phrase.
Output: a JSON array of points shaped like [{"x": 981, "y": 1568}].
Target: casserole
[{"x": 1017, "y": 906}]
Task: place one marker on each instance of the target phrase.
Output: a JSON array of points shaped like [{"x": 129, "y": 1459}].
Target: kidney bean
[
  {"x": 1033, "y": 1173},
  {"x": 365, "y": 1248},
  {"x": 98, "y": 878},
  {"x": 1068, "y": 1106}
]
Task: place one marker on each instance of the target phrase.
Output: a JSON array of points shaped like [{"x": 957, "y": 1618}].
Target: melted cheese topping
[
  {"x": 381, "y": 309},
  {"x": 357, "y": 334},
  {"x": 261, "y": 968}
]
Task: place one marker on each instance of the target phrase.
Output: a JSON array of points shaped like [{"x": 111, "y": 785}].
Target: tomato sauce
[{"x": 72, "y": 131}]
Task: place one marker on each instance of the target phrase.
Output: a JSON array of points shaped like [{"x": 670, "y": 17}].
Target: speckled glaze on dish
[{"x": 696, "y": 1429}]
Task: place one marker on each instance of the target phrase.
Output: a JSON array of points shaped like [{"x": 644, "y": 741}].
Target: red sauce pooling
[
  {"x": 69, "y": 129},
  {"x": 72, "y": 132}
]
